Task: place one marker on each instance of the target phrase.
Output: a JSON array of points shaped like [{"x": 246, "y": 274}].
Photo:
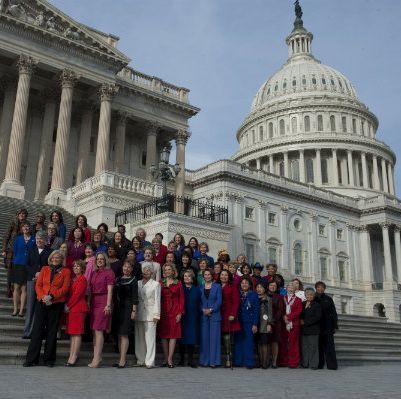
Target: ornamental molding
[
  {"x": 107, "y": 91},
  {"x": 68, "y": 78},
  {"x": 26, "y": 64},
  {"x": 40, "y": 18}
]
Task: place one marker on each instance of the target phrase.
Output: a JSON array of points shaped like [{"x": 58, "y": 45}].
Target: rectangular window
[
  {"x": 249, "y": 213},
  {"x": 353, "y": 125},
  {"x": 340, "y": 234},
  {"x": 320, "y": 123},
  {"x": 250, "y": 252},
  {"x": 309, "y": 171},
  {"x": 344, "y": 124},
  {"x": 341, "y": 270},
  {"x": 325, "y": 175},
  {"x": 272, "y": 218},
  {"x": 272, "y": 255},
  {"x": 323, "y": 267},
  {"x": 322, "y": 230},
  {"x": 143, "y": 158}
]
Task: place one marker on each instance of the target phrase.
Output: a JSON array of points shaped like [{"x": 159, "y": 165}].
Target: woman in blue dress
[
  {"x": 211, "y": 297},
  {"x": 190, "y": 320},
  {"x": 248, "y": 316}
]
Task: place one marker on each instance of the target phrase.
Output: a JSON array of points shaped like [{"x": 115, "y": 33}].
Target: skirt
[
  {"x": 75, "y": 323},
  {"x": 122, "y": 323},
  {"x": 18, "y": 274},
  {"x": 263, "y": 338}
]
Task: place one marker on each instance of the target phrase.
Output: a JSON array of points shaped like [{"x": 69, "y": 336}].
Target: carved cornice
[
  {"x": 182, "y": 136},
  {"x": 107, "y": 91}
]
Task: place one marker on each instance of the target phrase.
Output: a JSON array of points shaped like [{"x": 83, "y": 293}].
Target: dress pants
[
  {"x": 145, "y": 343},
  {"x": 244, "y": 354},
  {"x": 327, "y": 351},
  {"x": 30, "y": 307},
  {"x": 310, "y": 351},
  {"x": 46, "y": 322},
  {"x": 293, "y": 347},
  {"x": 210, "y": 344}
]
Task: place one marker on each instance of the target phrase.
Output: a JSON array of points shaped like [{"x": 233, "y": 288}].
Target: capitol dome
[{"x": 307, "y": 124}]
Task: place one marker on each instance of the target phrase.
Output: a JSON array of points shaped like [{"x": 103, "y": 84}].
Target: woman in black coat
[
  {"x": 126, "y": 297},
  {"x": 310, "y": 321}
]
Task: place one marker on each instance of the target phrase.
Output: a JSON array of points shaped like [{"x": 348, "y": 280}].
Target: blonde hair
[
  {"x": 106, "y": 258},
  {"x": 173, "y": 267},
  {"x": 54, "y": 253}
]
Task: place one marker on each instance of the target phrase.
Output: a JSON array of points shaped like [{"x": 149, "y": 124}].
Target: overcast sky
[{"x": 223, "y": 50}]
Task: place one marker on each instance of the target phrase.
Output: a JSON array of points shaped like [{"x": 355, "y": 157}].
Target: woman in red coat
[
  {"x": 172, "y": 308},
  {"x": 229, "y": 311},
  {"x": 290, "y": 338},
  {"x": 76, "y": 308}
]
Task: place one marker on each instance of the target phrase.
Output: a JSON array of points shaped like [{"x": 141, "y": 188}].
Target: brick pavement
[{"x": 365, "y": 382}]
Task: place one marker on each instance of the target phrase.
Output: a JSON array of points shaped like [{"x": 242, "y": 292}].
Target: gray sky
[{"x": 223, "y": 50}]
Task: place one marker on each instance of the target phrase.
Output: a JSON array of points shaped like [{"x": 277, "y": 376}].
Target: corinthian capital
[
  {"x": 182, "y": 136},
  {"x": 122, "y": 117},
  {"x": 152, "y": 127},
  {"x": 68, "y": 78},
  {"x": 26, "y": 65},
  {"x": 107, "y": 91}
]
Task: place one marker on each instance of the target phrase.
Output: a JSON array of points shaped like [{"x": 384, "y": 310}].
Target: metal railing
[{"x": 174, "y": 204}]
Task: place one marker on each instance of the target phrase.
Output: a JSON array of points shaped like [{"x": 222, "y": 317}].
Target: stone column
[
  {"x": 384, "y": 176},
  {"x": 284, "y": 238},
  {"x": 364, "y": 170},
  {"x": 258, "y": 164},
  {"x": 84, "y": 141},
  {"x": 314, "y": 255},
  {"x": 335, "y": 167},
  {"x": 344, "y": 171},
  {"x": 302, "y": 166},
  {"x": 350, "y": 168},
  {"x": 152, "y": 129},
  {"x": 68, "y": 79},
  {"x": 388, "y": 272},
  {"x": 9, "y": 87},
  {"x": 333, "y": 249},
  {"x": 318, "y": 174},
  {"x": 271, "y": 164},
  {"x": 397, "y": 244},
  {"x": 376, "y": 182},
  {"x": 11, "y": 185},
  {"x": 181, "y": 138},
  {"x": 390, "y": 178},
  {"x": 42, "y": 178},
  {"x": 120, "y": 142},
  {"x": 107, "y": 92},
  {"x": 286, "y": 166},
  {"x": 366, "y": 256}
]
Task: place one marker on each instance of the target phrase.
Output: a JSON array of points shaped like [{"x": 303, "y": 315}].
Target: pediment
[{"x": 40, "y": 15}]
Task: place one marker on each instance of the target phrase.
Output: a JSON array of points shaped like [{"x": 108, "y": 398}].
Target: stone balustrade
[{"x": 154, "y": 83}]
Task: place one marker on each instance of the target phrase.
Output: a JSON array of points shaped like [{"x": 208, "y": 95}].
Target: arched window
[
  {"x": 294, "y": 125},
  {"x": 332, "y": 123},
  {"x": 320, "y": 123},
  {"x": 325, "y": 175},
  {"x": 309, "y": 170},
  {"x": 298, "y": 258},
  {"x": 270, "y": 129},
  {"x": 307, "y": 123},
  {"x": 282, "y": 127},
  {"x": 295, "y": 170},
  {"x": 344, "y": 124},
  {"x": 260, "y": 133}
]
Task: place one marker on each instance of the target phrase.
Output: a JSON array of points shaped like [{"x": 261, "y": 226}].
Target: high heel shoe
[
  {"x": 68, "y": 364},
  {"x": 170, "y": 365},
  {"x": 95, "y": 365}
]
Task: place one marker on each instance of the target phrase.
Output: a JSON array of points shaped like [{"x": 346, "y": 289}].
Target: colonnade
[
  {"x": 342, "y": 167},
  {"x": 13, "y": 128}
]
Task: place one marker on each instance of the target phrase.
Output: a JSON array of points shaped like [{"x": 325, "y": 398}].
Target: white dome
[{"x": 303, "y": 75}]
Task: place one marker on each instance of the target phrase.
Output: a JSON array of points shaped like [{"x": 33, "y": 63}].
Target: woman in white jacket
[{"x": 148, "y": 315}]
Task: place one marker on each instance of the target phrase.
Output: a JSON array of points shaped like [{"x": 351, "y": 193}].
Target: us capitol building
[{"x": 310, "y": 188}]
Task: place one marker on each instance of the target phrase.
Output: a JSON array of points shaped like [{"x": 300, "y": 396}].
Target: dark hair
[
  {"x": 248, "y": 266},
  {"x": 247, "y": 278},
  {"x": 96, "y": 232},
  {"x": 263, "y": 284},
  {"x": 181, "y": 237},
  {"x": 80, "y": 229},
  {"x": 273, "y": 282},
  {"x": 160, "y": 235},
  {"x": 104, "y": 225},
  {"x": 91, "y": 245},
  {"x": 320, "y": 283},
  {"x": 113, "y": 246},
  {"x": 301, "y": 286},
  {"x": 271, "y": 265},
  {"x": 84, "y": 218},
  {"x": 172, "y": 253},
  {"x": 138, "y": 239},
  {"x": 205, "y": 244},
  {"x": 60, "y": 216},
  {"x": 230, "y": 276},
  {"x": 22, "y": 210},
  {"x": 187, "y": 254},
  {"x": 196, "y": 240}
]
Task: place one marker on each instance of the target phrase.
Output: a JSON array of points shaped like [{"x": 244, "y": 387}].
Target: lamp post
[{"x": 165, "y": 172}]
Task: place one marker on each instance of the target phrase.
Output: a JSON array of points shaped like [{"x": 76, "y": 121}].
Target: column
[
  {"x": 318, "y": 174},
  {"x": 314, "y": 258},
  {"x": 151, "y": 147},
  {"x": 366, "y": 256},
  {"x": 11, "y": 185},
  {"x": 397, "y": 244},
  {"x": 302, "y": 166},
  {"x": 364, "y": 170},
  {"x": 390, "y": 178},
  {"x": 284, "y": 238},
  {"x": 344, "y": 171},
  {"x": 68, "y": 79},
  {"x": 333, "y": 249},
  {"x": 181, "y": 138},
  {"x": 271, "y": 164},
  {"x": 258, "y": 167},
  {"x": 107, "y": 92},
  {"x": 376, "y": 181},
  {"x": 286, "y": 166},
  {"x": 384, "y": 176},
  {"x": 388, "y": 272},
  {"x": 335, "y": 167},
  {"x": 9, "y": 87},
  {"x": 350, "y": 168},
  {"x": 84, "y": 141},
  {"x": 42, "y": 178},
  {"x": 120, "y": 142}
]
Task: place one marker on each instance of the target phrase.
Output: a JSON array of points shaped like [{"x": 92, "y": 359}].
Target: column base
[
  {"x": 56, "y": 197},
  {"x": 12, "y": 189}
]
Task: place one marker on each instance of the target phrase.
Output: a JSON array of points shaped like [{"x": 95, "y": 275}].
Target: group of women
[{"x": 177, "y": 293}]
